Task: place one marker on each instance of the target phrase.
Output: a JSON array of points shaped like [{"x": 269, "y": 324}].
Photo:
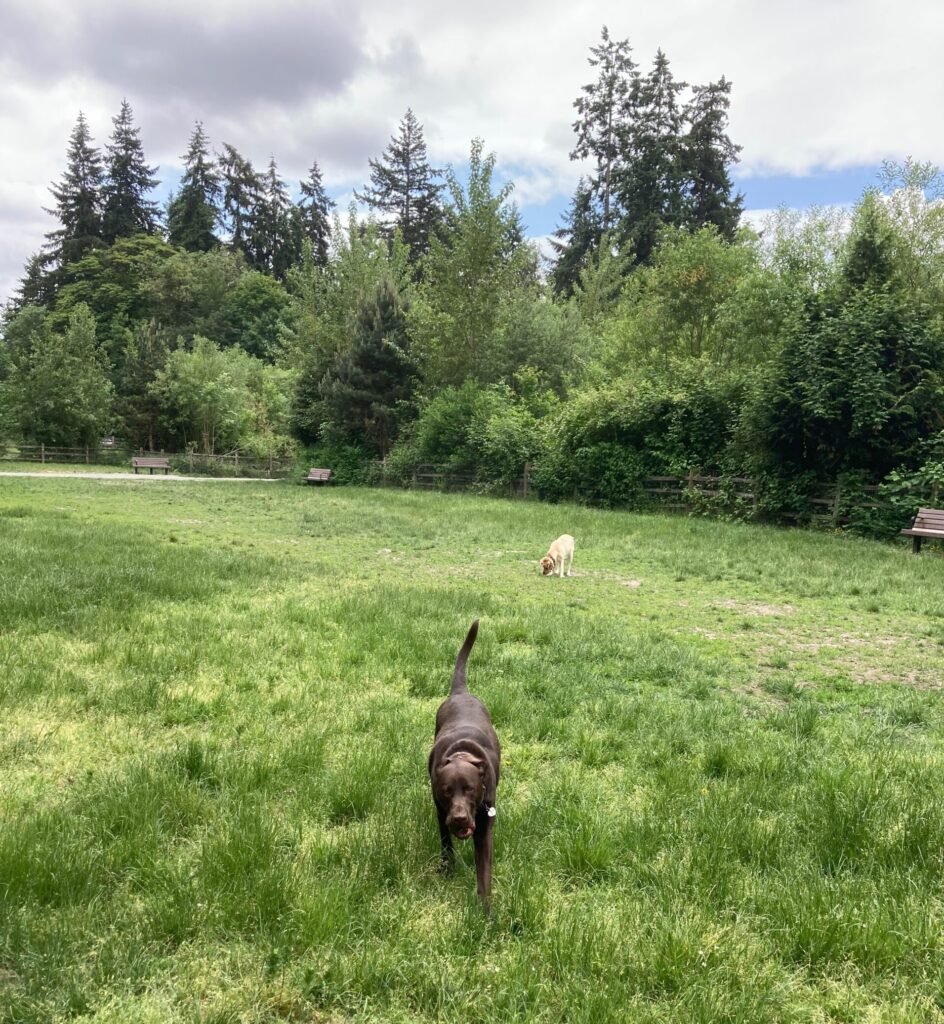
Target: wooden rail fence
[{"x": 107, "y": 455}]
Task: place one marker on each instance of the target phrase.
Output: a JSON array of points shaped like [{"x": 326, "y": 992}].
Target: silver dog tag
[{"x": 492, "y": 812}]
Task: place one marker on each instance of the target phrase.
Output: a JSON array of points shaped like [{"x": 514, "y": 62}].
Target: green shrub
[{"x": 349, "y": 464}]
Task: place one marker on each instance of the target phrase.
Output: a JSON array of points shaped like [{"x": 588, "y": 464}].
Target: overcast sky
[{"x": 823, "y": 90}]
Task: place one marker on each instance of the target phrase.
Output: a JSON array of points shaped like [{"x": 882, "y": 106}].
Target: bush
[
  {"x": 349, "y": 464},
  {"x": 604, "y": 441},
  {"x": 485, "y": 432}
]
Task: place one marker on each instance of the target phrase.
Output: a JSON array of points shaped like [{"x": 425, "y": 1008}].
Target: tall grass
[{"x": 723, "y": 778}]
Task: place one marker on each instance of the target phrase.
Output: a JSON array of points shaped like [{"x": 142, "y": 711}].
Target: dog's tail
[{"x": 458, "y": 675}]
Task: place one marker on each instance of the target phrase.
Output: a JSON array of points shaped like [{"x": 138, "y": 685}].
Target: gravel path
[{"x": 147, "y": 477}]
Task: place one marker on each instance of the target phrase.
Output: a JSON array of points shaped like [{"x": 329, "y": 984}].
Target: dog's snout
[{"x": 460, "y": 823}]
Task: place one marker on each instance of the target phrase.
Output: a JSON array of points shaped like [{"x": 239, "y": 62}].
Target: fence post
[
  {"x": 524, "y": 487},
  {"x": 86, "y": 455},
  {"x": 42, "y": 453},
  {"x": 836, "y": 503}
]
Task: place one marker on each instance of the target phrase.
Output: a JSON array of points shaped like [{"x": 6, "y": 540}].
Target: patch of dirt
[
  {"x": 632, "y": 584},
  {"x": 880, "y": 675},
  {"x": 858, "y": 640},
  {"x": 757, "y": 691},
  {"x": 756, "y": 608}
]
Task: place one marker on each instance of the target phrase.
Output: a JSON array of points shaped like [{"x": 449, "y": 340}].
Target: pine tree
[
  {"x": 37, "y": 285},
  {"x": 365, "y": 391},
  {"x": 275, "y": 240},
  {"x": 128, "y": 180},
  {"x": 403, "y": 187},
  {"x": 315, "y": 208},
  {"x": 869, "y": 257},
  {"x": 242, "y": 194},
  {"x": 708, "y": 153},
  {"x": 576, "y": 241},
  {"x": 78, "y": 203},
  {"x": 604, "y": 109},
  {"x": 144, "y": 356},
  {"x": 192, "y": 214},
  {"x": 651, "y": 182}
]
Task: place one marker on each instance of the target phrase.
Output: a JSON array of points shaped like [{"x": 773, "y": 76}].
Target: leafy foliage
[
  {"x": 467, "y": 273},
  {"x": 58, "y": 391}
]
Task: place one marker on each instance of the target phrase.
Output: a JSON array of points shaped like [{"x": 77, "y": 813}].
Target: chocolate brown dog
[{"x": 463, "y": 771}]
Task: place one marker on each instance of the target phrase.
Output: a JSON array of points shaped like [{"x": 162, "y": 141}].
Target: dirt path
[{"x": 145, "y": 478}]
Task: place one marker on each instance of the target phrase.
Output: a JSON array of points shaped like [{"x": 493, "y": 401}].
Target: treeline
[{"x": 664, "y": 337}]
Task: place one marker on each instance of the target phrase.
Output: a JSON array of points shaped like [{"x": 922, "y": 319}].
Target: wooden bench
[
  {"x": 150, "y": 463},
  {"x": 318, "y": 476},
  {"x": 929, "y": 522}
]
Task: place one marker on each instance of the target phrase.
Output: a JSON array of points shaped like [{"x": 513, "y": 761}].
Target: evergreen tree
[
  {"x": 403, "y": 187},
  {"x": 128, "y": 180},
  {"x": 144, "y": 356},
  {"x": 858, "y": 384},
  {"x": 604, "y": 108},
  {"x": 708, "y": 153},
  {"x": 576, "y": 241},
  {"x": 37, "y": 285},
  {"x": 192, "y": 214},
  {"x": 78, "y": 202},
  {"x": 275, "y": 241},
  {"x": 364, "y": 392},
  {"x": 651, "y": 181},
  {"x": 242, "y": 194},
  {"x": 870, "y": 251},
  {"x": 315, "y": 208}
]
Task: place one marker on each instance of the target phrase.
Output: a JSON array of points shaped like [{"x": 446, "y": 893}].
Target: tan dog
[{"x": 559, "y": 551}]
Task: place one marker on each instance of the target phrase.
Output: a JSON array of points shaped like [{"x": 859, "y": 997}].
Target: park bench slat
[
  {"x": 318, "y": 475},
  {"x": 150, "y": 463},
  {"x": 929, "y": 522}
]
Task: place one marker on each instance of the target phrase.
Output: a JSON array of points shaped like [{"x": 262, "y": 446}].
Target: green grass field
[{"x": 723, "y": 779}]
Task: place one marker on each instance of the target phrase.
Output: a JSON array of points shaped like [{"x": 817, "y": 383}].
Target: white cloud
[{"x": 817, "y": 83}]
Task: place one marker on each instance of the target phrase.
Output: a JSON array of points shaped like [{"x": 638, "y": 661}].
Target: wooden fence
[
  {"x": 675, "y": 493},
  {"x": 90, "y": 455},
  {"x": 431, "y": 477},
  {"x": 230, "y": 464},
  {"x": 678, "y": 491}
]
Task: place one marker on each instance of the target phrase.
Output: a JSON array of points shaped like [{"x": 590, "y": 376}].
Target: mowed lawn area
[{"x": 723, "y": 780}]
